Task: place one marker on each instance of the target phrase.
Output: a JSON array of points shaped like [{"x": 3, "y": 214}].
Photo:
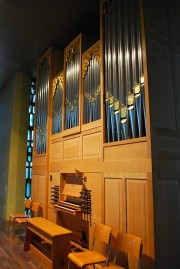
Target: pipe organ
[{"x": 92, "y": 116}]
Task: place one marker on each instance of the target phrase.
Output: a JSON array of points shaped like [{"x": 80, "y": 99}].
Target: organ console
[{"x": 74, "y": 211}]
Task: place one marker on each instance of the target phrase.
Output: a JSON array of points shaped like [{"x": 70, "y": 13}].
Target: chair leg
[
  {"x": 19, "y": 235},
  {"x": 13, "y": 228},
  {"x": 69, "y": 264},
  {"x": 21, "y": 227},
  {"x": 9, "y": 225}
]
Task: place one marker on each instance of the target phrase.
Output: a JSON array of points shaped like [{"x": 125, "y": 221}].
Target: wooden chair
[
  {"x": 101, "y": 233},
  {"x": 12, "y": 217},
  {"x": 131, "y": 246},
  {"x": 21, "y": 222}
]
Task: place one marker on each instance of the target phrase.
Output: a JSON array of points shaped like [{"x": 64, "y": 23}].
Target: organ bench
[{"x": 49, "y": 241}]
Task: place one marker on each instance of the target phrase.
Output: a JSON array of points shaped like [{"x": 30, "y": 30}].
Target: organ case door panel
[
  {"x": 136, "y": 207},
  {"x": 125, "y": 206},
  {"x": 115, "y": 207},
  {"x": 39, "y": 192},
  {"x": 34, "y": 187}
]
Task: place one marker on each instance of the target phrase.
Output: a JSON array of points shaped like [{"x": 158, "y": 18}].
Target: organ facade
[{"x": 100, "y": 116}]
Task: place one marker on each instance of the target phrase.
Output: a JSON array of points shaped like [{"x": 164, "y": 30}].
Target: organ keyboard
[{"x": 69, "y": 207}]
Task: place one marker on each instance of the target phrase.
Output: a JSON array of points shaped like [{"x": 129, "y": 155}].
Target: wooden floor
[{"x": 12, "y": 255}]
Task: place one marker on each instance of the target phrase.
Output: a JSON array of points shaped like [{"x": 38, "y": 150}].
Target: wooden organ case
[{"x": 101, "y": 126}]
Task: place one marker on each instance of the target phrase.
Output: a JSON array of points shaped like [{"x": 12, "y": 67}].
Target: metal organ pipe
[
  {"x": 142, "y": 110},
  {"x": 91, "y": 85},
  {"x": 72, "y": 89},
  {"x": 42, "y": 108},
  {"x": 125, "y": 107},
  {"x": 57, "y": 103},
  {"x": 106, "y": 72}
]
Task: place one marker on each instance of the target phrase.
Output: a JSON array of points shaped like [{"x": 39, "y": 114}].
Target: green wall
[{"x": 14, "y": 104}]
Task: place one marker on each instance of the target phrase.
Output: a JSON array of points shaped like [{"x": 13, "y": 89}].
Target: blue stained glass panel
[
  {"x": 31, "y": 121},
  {"x": 30, "y": 136},
  {"x": 29, "y": 158},
  {"x": 28, "y": 190}
]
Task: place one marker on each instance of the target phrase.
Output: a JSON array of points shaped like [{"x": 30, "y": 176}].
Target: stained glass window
[{"x": 30, "y": 136}]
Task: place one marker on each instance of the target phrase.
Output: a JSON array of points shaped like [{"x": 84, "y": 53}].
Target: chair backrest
[
  {"x": 27, "y": 204},
  {"x": 131, "y": 245},
  {"x": 35, "y": 209},
  {"x": 102, "y": 233},
  {"x": 27, "y": 207}
]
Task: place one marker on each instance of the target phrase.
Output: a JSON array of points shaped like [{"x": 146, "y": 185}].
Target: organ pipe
[
  {"x": 123, "y": 70},
  {"x": 42, "y": 105},
  {"x": 72, "y": 74},
  {"x": 91, "y": 84},
  {"x": 57, "y": 103}
]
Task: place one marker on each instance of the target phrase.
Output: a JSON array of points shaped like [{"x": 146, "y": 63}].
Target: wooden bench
[{"x": 49, "y": 241}]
